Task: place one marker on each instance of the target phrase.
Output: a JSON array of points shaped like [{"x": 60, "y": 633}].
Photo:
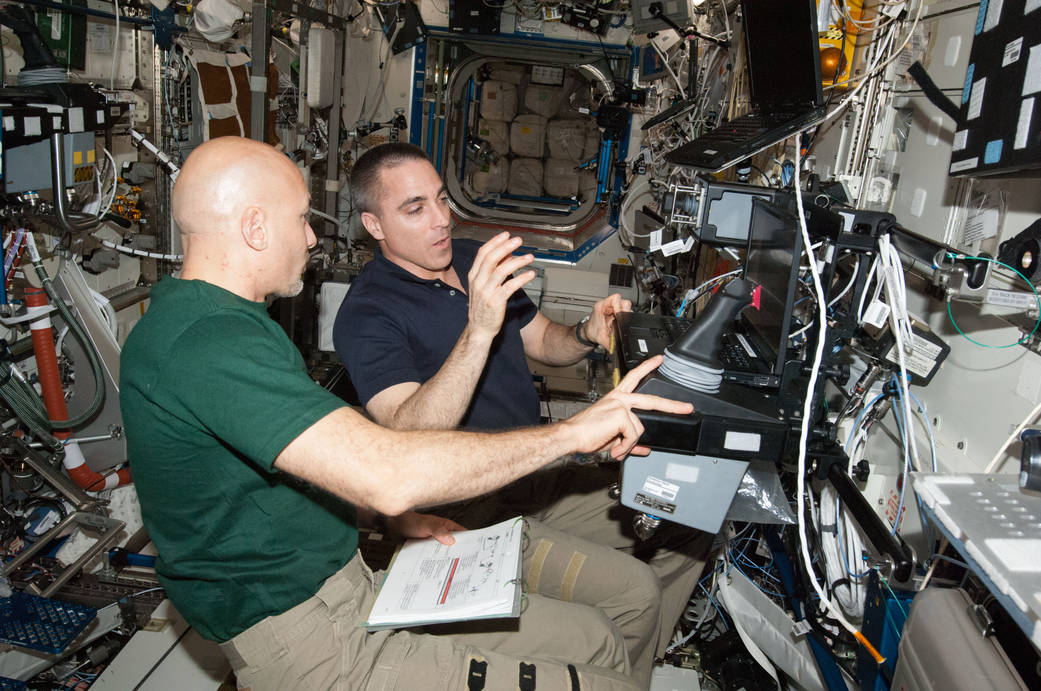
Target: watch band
[{"x": 582, "y": 339}]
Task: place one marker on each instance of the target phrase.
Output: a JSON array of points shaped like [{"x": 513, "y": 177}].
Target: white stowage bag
[
  {"x": 766, "y": 631},
  {"x": 543, "y": 100},
  {"x": 498, "y": 100},
  {"x": 528, "y": 136},
  {"x": 566, "y": 138},
  {"x": 526, "y": 177},
  {"x": 491, "y": 178},
  {"x": 216, "y": 19},
  {"x": 560, "y": 179},
  {"x": 495, "y": 133}
]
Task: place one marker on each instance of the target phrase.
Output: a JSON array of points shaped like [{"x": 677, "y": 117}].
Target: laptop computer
[
  {"x": 754, "y": 351},
  {"x": 784, "y": 82},
  {"x": 639, "y": 335}
]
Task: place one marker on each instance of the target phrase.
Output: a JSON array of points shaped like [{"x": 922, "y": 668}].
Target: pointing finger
[{"x": 636, "y": 374}]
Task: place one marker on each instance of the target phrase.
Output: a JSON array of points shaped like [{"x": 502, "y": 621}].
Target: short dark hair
[{"x": 365, "y": 174}]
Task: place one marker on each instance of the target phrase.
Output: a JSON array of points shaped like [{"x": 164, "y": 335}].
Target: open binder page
[{"x": 479, "y": 577}]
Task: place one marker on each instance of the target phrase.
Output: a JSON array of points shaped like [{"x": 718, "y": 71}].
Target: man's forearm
[
  {"x": 560, "y": 347},
  {"x": 442, "y": 401},
  {"x": 391, "y": 471}
]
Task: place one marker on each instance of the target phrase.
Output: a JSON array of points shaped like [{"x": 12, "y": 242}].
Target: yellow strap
[
  {"x": 567, "y": 586},
  {"x": 537, "y": 562}
]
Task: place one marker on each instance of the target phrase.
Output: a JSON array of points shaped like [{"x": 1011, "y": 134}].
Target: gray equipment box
[
  {"x": 692, "y": 490},
  {"x": 28, "y": 167},
  {"x": 942, "y": 649}
]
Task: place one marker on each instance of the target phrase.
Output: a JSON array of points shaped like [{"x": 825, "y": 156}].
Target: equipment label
[
  {"x": 660, "y": 488},
  {"x": 1008, "y": 298},
  {"x": 742, "y": 441},
  {"x": 979, "y": 87},
  {"x": 922, "y": 359},
  {"x": 656, "y": 505},
  {"x": 1026, "y": 112},
  {"x": 1012, "y": 51}
]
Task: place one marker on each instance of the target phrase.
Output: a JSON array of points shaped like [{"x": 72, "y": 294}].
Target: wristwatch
[{"x": 582, "y": 339}]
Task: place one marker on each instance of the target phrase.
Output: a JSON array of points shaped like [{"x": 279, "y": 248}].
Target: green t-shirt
[{"x": 212, "y": 390}]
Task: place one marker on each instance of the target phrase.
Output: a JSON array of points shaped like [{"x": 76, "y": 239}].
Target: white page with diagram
[{"x": 478, "y": 577}]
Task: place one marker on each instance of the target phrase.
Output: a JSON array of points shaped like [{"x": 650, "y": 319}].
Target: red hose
[
  {"x": 47, "y": 361},
  {"x": 54, "y": 396}
]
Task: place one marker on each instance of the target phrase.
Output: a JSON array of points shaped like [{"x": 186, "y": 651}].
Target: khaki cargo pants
[{"x": 556, "y": 645}]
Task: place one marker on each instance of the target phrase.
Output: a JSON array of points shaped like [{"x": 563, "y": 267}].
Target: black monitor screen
[
  {"x": 783, "y": 52},
  {"x": 774, "y": 253}
]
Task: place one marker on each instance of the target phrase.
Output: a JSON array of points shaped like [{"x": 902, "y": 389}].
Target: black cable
[{"x": 606, "y": 56}]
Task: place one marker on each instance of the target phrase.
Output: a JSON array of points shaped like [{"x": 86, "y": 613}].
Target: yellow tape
[
  {"x": 538, "y": 560},
  {"x": 567, "y": 586}
]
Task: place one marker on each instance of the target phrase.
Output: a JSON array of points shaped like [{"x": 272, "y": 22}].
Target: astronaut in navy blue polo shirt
[{"x": 434, "y": 334}]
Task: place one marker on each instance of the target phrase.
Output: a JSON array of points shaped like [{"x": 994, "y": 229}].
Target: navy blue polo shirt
[{"x": 394, "y": 327}]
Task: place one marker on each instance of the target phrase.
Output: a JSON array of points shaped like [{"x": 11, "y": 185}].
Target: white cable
[
  {"x": 322, "y": 214},
  {"x": 720, "y": 277},
  {"x": 796, "y": 334},
  {"x": 864, "y": 80},
  {"x": 107, "y": 311},
  {"x": 807, "y": 411},
  {"x": 850, "y": 590},
  {"x": 900, "y": 324},
  {"x": 875, "y": 69},
  {"x": 60, "y": 342},
  {"x": 872, "y": 274},
  {"x": 665, "y": 59},
  {"x": 852, "y": 280},
  {"x": 870, "y": 25},
  {"x": 115, "y": 184},
  {"x": 998, "y": 459},
  {"x": 98, "y": 190},
  {"x": 628, "y": 234},
  {"x": 142, "y": 253}
]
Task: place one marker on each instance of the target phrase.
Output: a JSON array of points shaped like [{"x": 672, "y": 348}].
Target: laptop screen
[
  {"x": 774, "y": 253},
  {"x": 784, "y": 66}
]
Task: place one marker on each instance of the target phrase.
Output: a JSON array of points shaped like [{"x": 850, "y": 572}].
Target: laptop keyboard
[
  {"x": 734, "y": 140},
  {"x": 733, "y": 356},
  {"x": 736, "y": 131}
]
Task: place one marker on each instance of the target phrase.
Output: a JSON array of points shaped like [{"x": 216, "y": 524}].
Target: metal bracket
[
  {"x": 51, "y": 475},
  {"x": 108, "y": 527}
]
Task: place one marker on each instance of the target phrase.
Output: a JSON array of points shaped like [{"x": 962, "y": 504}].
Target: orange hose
[
  {"x": 47, "y": 362},
  {"x": 91, "y": 481},
  {"x": 870, "y": 648},
  {"x": 54, "y": 396}
]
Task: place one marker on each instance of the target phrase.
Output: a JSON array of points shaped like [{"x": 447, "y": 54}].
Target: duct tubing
[
  {"x": 54, "y": 399},
  {"x": 77, "y": 331}
]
